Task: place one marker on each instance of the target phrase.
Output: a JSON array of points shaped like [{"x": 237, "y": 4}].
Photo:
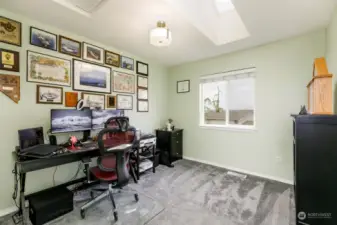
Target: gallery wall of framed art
[
  {"x": 62, "y": 66},
  {"x": 19, "y": 103}
]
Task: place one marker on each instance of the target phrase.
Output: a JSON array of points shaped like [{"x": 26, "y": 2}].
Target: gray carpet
[{"x": 198, "y": 194}]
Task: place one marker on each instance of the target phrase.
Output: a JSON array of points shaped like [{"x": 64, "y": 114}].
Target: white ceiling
[{"x": 125, "y": 24}]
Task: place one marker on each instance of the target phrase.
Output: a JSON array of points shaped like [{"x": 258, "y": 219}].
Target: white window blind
[
  {"x": 230, "y": 75},
  {"x": 228, "y": 99}
]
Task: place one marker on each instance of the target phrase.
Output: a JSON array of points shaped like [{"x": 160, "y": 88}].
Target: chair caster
[
  {"x": 116, "y": 216},
  {"x": 82, "y": 214},
  {"x": 136, "y": 197}
]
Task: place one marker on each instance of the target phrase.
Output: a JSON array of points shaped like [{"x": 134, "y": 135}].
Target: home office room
[{"x": 148, "y": 112}]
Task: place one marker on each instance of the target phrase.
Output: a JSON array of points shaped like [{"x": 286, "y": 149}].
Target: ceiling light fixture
[
  {"x": 224, "y": 5},
  {"x": 160, "y": 36}
]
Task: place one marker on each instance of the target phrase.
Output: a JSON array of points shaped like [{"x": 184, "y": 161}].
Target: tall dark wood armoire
[{"x": 315, "y": 169}]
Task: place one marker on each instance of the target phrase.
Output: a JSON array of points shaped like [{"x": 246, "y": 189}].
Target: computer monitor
[
  {"x": 30, "y": 137},
  {"x": 99, "y": 117},
  {"x": 70, "y": 120}
]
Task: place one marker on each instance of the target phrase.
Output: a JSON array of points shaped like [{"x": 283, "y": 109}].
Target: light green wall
[
  {"x": 331, "y": 53},
  {"x": 28, "y": 114},
  {"x": 283, "y": 70}
]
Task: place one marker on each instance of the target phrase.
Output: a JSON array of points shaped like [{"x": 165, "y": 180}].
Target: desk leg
[
  {"x": 22, "y": 198},
  {"x": 154, "y": 158},
  {"x": 138, "y": 163}
]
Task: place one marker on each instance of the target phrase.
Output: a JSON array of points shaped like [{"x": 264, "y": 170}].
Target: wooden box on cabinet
[{"x": 320, "y": 89}]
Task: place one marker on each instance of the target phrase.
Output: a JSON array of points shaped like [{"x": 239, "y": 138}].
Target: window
[{"x": 228, "y": 99}]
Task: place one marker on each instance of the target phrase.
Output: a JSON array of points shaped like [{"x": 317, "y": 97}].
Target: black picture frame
[
  {"x": 20, "y": 32},
  {"x": 124, "y": 66},
  {"x": 84, "y": 90},
  {"x": 189, "y": 86},
  {"x": 41, "y": 46},
  {"x": 16, "y": 61},
  {"x": 148, "y": 106},
  {"x": 138, "y": 63},
  {"x": 60, "y": 38},
  {"x": 119, "y": 95}
]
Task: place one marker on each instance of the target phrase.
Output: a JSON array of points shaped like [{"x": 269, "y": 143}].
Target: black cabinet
[
  {"x": 170, "y": 144},
  {"x": 315, "y": 169}
]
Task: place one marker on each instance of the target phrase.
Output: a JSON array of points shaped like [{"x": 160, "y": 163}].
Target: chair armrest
[{"x": 119, "y": 148}]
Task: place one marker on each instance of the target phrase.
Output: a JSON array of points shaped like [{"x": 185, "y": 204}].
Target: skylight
[{"x": 224, "y": 5}]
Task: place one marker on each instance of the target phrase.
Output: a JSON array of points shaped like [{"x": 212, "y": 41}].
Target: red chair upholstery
[{"x": 113, "y": 166}]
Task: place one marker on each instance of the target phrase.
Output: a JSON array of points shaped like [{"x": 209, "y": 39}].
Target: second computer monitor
[
  {"x": 70, "y": 120},
  {"x": 99, "y": 117}
]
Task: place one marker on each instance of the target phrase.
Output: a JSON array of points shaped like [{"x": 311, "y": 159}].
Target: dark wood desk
[{"x": 24, "y": 166}]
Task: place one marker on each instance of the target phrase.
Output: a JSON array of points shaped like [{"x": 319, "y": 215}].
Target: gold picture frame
[
  {"x": 10, "y": 31},
  {"x": 111, "y": 101},
  {"x": 49, "y": 95}
]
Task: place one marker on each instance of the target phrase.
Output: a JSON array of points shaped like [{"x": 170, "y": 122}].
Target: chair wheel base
[
  {"x": 116, "y": 216},
  {"x": 82, "y": 214},
  {"x": 136, "y": 197}
]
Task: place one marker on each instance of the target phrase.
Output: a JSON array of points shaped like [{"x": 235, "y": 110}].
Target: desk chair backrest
[{"x": 115, "y": 144}]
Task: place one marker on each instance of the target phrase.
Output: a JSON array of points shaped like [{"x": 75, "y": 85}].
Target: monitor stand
[{"x": 86, "y": 135}]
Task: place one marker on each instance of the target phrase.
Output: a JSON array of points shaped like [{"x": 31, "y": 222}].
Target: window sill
[{"x": 228, "y": 127}]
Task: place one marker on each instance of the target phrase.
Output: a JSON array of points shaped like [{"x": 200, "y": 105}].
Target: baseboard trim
[
  {"x": 9, "y": 210},
  {"x": 241, "y": 171}
]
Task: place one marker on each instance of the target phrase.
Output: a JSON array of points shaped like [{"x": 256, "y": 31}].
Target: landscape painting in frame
[
  {"x": 93, "y": 53},
  {"x": 123, "y": 82},
  {"x": 127, "y": 63},
  {"x": 70, "y": 47},
  {"x": 48, "y": 69},
  {"x": 112, "y": 59},
  {"x": 91, "y": 77},
  {"x": 10, "y": 31},
  {"x": 43, "y": 39}
]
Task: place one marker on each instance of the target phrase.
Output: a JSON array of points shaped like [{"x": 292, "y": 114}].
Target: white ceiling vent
[{"x": 85, "y": 7}]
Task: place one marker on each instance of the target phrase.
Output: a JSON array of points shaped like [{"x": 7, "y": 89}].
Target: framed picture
[
  {"x": 142, "y": 82},
  {"x": 10, "y": 31},
  {"x": 70, "y": 47},
  {"x": 142, "y": 93},
  {"x": 43, "y": 39},
  {"x": 125, "y": 102},
  {"x": 93, "y": 53},
  {"x": 71, "y": 99},
  {"x": 91, "y": 77},
  {"x": 123, "y": 82},
  {"x": 93, "y": 101},
  {"x": 48, "y": 69},
  {"x": 112, "y": 59},
  {"x": 49, "y": 95},
  {"x": 9, "y": 60},
  {"x": 111, "y": 101},
  {"x": 142, "y": 68},
  {"x": 142, "y": 106},
  {"x": 183, "y": 86},
  {"x": 127, "y": 63}
]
